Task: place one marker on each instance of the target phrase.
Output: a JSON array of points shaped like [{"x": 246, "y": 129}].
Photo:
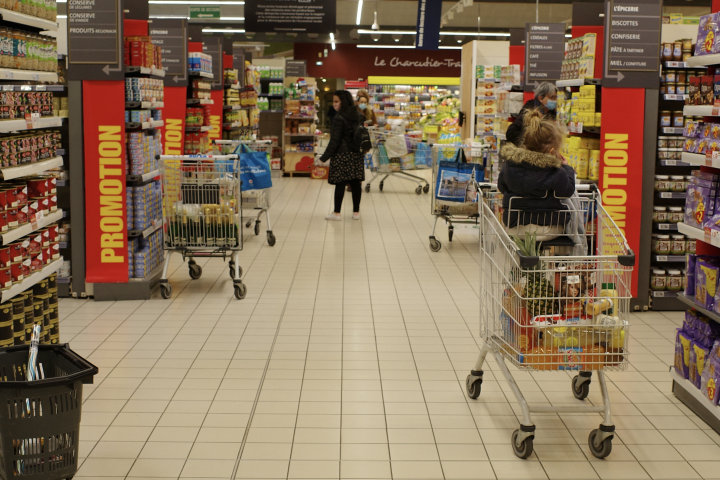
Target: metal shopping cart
[
  {"x": 202, "y": 206},
  {"x": 254, "y": 199},
  {"x": 459, "y": 206},
  {"x": 394, "y": 154},
  {"x": 568, "y": 311}
]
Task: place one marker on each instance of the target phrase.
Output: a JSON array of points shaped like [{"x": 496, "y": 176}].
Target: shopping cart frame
[
  {"x": 378, "y": 136},
  {"x": 600, "y": 439},
  {"x": 264, "y": 200},
  {"x": 192, "y": 252}
]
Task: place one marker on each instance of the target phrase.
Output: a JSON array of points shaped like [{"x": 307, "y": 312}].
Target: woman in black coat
[
  {"x": 346, "y": 161},
  {"x": 545, "y": 100}
]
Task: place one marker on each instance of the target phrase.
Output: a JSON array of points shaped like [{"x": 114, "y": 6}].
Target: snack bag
[
  {"x": 698, "y": 355},
  {"x": 682, "y": 354}
]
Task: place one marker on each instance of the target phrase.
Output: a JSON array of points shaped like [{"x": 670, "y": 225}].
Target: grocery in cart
[
  {"x": 397, "y": 154},
  {"x": 254, "y": 160},
  {"x": 560, "y": 303},
  {"x": 203, "y": 213},
  {"x": 457, "y": 176}
]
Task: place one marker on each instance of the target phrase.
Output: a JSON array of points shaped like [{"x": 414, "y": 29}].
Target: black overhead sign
[
  {"x": 213, "y": 47},
  {"x": 95, "y": 39},
  {"x": 632, "y": 43},
  {"x": 296, "y": 68},
  {"x": 171, "y": 36},
  {"x": 544, "y": 52},
  {"x": 306, "y": 16}
]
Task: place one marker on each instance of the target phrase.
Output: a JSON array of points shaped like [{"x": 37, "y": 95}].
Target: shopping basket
[
  {"x": 394, "y": 154},
  {"x": 40, "y": 419},
  {"x": 560, "y": 304}
]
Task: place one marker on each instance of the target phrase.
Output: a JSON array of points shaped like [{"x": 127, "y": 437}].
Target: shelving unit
[
  {"x": 9, "y": 126},
  {"x": 31, "y": 280},
  {"x": 8, "y": 173},
  {"x": 28, "y": 228},
  {"x": 299, "y": 162}
]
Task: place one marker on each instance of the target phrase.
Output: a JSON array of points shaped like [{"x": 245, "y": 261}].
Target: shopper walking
[
  {"x": 346, "y": 161},
  {"x": 365, "y": 109},
  {"x": 545, "y": 101}
]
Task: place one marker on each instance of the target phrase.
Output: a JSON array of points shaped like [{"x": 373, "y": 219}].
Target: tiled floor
[{"x": 347, "y": 359}]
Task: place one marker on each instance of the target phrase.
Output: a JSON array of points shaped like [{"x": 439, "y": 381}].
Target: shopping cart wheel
[
  {"x": 240, "y": 291},
  {"x": 257, "y": 228},
  {"x": 418, "y": 190},
  {"x": 248, "y": 224},
  {"x": 195, "y": 271},
  {"x": 451, "y": 230},
  {"x": 232, "y": 270},
  {"x": 271, "y": 238},
  {"x": 426, "y": 188},
  {"x": 381, "y": 186},
  {"x": 473, "y": 385},
  {"x": 367, "y": 188},
  {"x": 526, "y": 446},
  {"x": 580, "y": 386},
  {"x": 166, "y": 290},
  {"x": 435, "y": 244},
  {"x": 604, "y": 448}
]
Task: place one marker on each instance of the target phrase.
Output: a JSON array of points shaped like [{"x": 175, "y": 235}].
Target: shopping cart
[
  {"x": 565, "y": 312},
  {"x": 462, "y": 210},
  {"x": 254, "y": 199},
  {"x": 202, "y": 206},
  {"x": 394, "y": 154}
]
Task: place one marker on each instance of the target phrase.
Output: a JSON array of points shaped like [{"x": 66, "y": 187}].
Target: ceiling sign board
[
  {"x": 544, "y": 52},
  {"x": 171, "y": 36},
  {"x": 213, "y": 47},
  {"x": 304, "y": 16},
  {"x": 95, "y": 48},
  {"x": 205, "y": 12},
  {"x": 296, "y": 68},
  {"x": 632, "y": 43}
]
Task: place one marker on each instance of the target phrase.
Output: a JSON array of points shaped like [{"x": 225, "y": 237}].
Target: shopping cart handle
[
  {"x": 627, "y": 260},
  {"x": 527, "y": 261}
]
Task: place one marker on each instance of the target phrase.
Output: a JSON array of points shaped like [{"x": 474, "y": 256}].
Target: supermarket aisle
[{"x": 348, "y": 360}]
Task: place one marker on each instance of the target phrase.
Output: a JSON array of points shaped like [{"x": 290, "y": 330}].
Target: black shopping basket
[{"x": 40, "y": 420}]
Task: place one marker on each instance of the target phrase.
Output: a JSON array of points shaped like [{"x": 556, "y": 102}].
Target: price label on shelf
[
  {"x": 715, "y": 111},
  {"x": 671, "y": 162},
  {"x": 31, "y": 119},
  {"x": 708, "y": 235},
  {"x": 40, "y": 88},
  {"x": 662, "y": 258},
  {"x": 665, "y": 195},
  {"x": 664, "y": 226},
  {"x": 9, "y": 75}
]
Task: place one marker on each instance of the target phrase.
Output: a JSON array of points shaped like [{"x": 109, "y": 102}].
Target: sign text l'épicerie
[{"x": 397, "y": 62}]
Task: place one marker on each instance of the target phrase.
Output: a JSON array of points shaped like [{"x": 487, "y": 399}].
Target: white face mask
[{"x": 363, "y": 106}]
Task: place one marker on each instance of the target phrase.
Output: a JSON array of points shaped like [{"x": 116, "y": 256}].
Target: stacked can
[
  {"x": 132, "y": 248},
  {"x": 41, "y": 309},
  {"x": 18, "y": 311},
  {"x": 6, "y": 324},
  {"x": 142, "y": 152},
  {"x": 144, "y": 90},
  {"x": 130, "y": 215},
  {"x": 148, "y": 255},
  {"x": 29, "y": 315},
  {"x": 147, "y": 205},
  {"x": 54, "y": 314}
]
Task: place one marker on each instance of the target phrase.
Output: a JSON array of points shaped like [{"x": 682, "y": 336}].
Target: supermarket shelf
[
  {"x": 157, "y": 224},
  {"x": 701, "y": 110},
  {"x": 704, "y": 60},
  {"x": 30, "y": 21},
  {"x": 33, "y": 88},
  {"x": 676, "y": 65},
  {"x": 238, "y": 107},
  {"x": 31, "y": 168},
  {"x": 232, "y": 126},
  {"x": 7, "y": 126},
  {"x": 675, "y": 163},
  {"x": 269, "y": 96},
  {"x": 60, "y": 152},
  {"x": 673, "y": 130},
  {"x": 205, "y": 128},
  {"x": 197, "y": 73},
  {"x": 135, "y": 179},
  {"x": 31, "y": 280},
  {"x": 691, "y": 396},
  {"x": 675, "y": 96},
  {"x": 691, "y": 303},
  {"x": 664, "y": 294},
  {"x": 32, "y": 75},
  {"x": 234, "y": 86},
  {"x": 298, "y": 117},
  {"x": 693, "y": 158},
  {"x": 699, "y": 234},
  {"x": 143, "y": 125},
  {"x": 299, "y": 134},
  {"x": 200, "y": 101},
  {"x": 666, "y": 226},
  {"x": 668, "y": 258},
  {"x": 578, "y": 82},
  {"x": 144, "y": 105},
  {"x": 673, "y": 195},
  {"x": 153, "y": 72},
  {"x": 134, "y": 289},
  {"x": 28, "y": 228},
  {"x": 510, "y": 88}
]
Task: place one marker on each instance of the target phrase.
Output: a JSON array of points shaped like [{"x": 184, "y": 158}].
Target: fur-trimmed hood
[{"x": 520, "y": 155}]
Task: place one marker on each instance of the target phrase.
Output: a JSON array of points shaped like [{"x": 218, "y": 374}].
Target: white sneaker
[
  {"x": 333, "y": 217},
  {"x": 356, "y": 216}
]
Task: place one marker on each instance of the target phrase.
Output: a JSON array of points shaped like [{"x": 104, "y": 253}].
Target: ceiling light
[
  {"x": 332, "y": 40},
  {"x": 223, "y": 30},
  {"x": 567, "y": 35},
  {"x": 477, "y": 34},
  {"x": 385, "y": 46},
  {"x": 389, "y": 32},
  {"x": 396, "y": 37},
  {"x": 359, "y": 13},
  {"x": 450, "y": 48},
  {"x": 375, "y": 25},
  {"x": 324, "y": 80},
  {"x": 62, "y": 16}
]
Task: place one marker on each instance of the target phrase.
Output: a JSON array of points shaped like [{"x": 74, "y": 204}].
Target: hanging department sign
[
  {"x": 304, "y": 16},
  {"x": 544, "y": 52},
  {"x": 205, "y": 12},
  {"x": 428, "y": 24}
]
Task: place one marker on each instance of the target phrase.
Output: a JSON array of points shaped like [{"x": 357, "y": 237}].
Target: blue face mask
[
  {"x": 551, "y": 104},
  {"x": 363, "y": 106}
]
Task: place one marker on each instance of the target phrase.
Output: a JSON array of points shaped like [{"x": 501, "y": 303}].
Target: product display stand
[{"x": 299, "y": 139}]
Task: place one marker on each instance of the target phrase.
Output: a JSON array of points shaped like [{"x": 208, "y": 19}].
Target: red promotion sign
[
  {"x": 621, "y": 162},
  {"x": 105, "y": 212},
  {"x": 216, "y": 115},
  {"x": 174, "y": 118}
]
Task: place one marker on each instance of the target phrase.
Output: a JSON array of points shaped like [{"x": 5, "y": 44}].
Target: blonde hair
[
  {"x": 541, "y": 135},
  {"x": 368, "y": 111}
]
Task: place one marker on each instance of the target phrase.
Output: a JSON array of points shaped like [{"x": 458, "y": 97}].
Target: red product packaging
[
  {"x": 3, "y": 221},
  {"x": 37, "y": 187},
  {"x": 18, "y": 250},
  {"x": 3, "y": 199},
  {"x": 52, "y": 184},
  {"x": 5, "y": 277},
  {"x": 22, "y": 194},
  {"x": 16, "y": 271},
  {"x": 11, "y": 193},
  {"x": 43, "y": 204},
  {"x": 12, "y": 217},
  {"x": 23, "y": 215},
  {"x": 55, "y": 250},
  {"x": 26, "y": 266},
  {"x": 35, "y": 245},
  {"x": 4, "y": 257},
  {"x": 47, "y": 254},
  {"x": 45, "y": 236},
  {"x": 32, "y": 211},
  {"x": 53, "y": 203},
  {"x": 36, "y": 262},
  {"x": 54, "y": 232}
]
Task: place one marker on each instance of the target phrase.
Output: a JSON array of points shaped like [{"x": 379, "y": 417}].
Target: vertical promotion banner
[
  {"x": 428, "y": 24},
  {"x": 105, "y": 210},
  {"x": 621, "y": 165},
  {"x": 216, "y": 115},
  {"x": 174, "y": 117}
]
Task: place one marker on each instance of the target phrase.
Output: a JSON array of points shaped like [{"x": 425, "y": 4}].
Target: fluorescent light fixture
[
  {"x": 192, "y": 2},
  {"x": 332, "y": 40},
  {"x": 62, "y": 16},
  {"x": 359, "y": 12},
  {"x": 223, "y": 30},
  {"x": 450, "y": 48},
  {"x": 389, "y": 32},
  {"x": 385, "y": 46},
  {"x": 567, "y": 35},
  {"x": 413, "y": 32},
  {"x": 169, "y": 16},
  {"x": 233, "y": 19}
]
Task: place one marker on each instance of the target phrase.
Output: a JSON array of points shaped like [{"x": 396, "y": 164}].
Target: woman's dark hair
[{"x": 347, "y": 106}]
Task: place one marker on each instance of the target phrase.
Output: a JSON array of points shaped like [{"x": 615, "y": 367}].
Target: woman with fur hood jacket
[{"x": 536, "y": 172}]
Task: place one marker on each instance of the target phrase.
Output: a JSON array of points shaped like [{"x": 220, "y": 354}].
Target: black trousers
[{"x": 356, "y": 187}]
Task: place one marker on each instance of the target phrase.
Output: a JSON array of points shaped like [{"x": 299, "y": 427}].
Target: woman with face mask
[
  {"x": 545, "y": 101},
  {"x": 365, "y": 109}
]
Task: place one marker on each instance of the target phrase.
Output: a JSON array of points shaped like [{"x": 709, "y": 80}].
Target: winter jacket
[
  {"x": 538, "y": 178},
  {"x": 516, "y": 130},
  {"x": 342, "y": 135}
]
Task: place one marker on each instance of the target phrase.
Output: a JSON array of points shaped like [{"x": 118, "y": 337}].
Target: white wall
[
  {"x": 491, "y": 52},
  {"x": 670, "y": 33}
]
